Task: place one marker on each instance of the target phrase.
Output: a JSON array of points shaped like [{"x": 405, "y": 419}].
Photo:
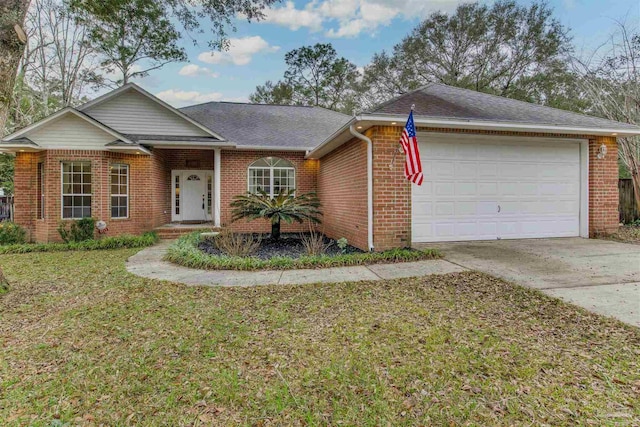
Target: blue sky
[{"x": 356, "y": 28}]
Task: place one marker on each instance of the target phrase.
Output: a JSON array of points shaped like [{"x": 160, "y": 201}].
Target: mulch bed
[{"x": 289, "y": 245}]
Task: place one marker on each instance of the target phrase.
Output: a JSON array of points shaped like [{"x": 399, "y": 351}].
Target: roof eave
[{"x": 342, "y": 135}]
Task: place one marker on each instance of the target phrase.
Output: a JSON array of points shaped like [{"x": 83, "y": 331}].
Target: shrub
[
  {"x": 77, "y": 231},
  {"x": 11, "y": 233},
  {"x": 342, "y": 244},
  {"x": 313, "y": 242},
  {"x": 236, "y": 244},
  {"x": 284, "y": 207},
  {"x": 117, "y": 242}
]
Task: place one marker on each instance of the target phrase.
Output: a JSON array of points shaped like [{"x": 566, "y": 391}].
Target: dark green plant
[
  {"x": 77, "y": 231},
  {"x": 284, "y": 207},
  {"x": 116, "y": 242},
  {"x": 11, "y": 233}
]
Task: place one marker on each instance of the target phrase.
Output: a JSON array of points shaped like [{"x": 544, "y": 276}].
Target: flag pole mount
[{"x": 413, "y": 107}]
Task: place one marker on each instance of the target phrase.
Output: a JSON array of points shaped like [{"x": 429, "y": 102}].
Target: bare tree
[{"x": 611, "y": 80}]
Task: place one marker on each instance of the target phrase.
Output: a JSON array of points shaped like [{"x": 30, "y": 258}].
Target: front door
[{"x": 191, "y": 199}]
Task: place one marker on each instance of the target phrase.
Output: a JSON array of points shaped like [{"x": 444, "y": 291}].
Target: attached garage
[{"x": 485, "y": 187}]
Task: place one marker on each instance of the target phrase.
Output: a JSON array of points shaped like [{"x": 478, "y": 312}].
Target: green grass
[
  {"x": 184, "y": 251},
  {"x": 82, "y": 342},
  {"x": 116, "y": 242}
]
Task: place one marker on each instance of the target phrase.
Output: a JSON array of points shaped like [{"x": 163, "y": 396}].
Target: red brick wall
[
  {"x": 342, "y": 187},
  {"x": 149, "y": 187},
  {"x": 603, "y": 187},
  {"x": 233, "y": 177}
]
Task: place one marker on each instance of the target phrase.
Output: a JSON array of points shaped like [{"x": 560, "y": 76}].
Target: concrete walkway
[
  {"x": 601, "y": 276},
  {"x": 148, "y": 263}
]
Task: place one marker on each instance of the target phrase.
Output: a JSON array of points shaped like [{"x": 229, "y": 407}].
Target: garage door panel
[{"x": 497, "y": 189}]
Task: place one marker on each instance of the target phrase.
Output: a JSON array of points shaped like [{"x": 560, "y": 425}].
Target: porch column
[{"x": 216, "y": 187}]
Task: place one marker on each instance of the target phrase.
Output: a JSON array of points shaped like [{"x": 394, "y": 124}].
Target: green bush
[
  {"x": 77, "y": 231},
  {"x": 117, "y": 242},
  {"x": 185, "y": 252},
  {"x": 11, "y": 233}
]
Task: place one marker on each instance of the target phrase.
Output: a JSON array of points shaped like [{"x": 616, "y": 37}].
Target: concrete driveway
[{"x": 601, "y": 276}]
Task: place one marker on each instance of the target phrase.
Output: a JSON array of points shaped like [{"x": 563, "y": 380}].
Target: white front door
[
  {"x": 191, "y": 195},
  {"x": 482, "y": 188}
]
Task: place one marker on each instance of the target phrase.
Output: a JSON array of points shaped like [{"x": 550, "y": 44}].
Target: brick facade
[
  {"x": 342, "y": 186},
  {"x": 340, "y": 178},
  {"x": 149, "y": 187}
]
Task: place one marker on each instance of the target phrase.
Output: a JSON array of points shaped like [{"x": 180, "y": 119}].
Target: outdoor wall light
[{"x": 602, "y": 152}]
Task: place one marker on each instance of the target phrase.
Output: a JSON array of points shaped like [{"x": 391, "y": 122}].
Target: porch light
[
  {"x": 614, "y": 134},
  {"x": 393, "y": 123},
  {"x": 22, "y": 151},
  {"x": 602, "y": 152},
  {"x": 359, "y": 127}
]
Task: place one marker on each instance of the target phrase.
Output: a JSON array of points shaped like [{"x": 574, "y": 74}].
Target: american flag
[{"x": 409, "y": 142}]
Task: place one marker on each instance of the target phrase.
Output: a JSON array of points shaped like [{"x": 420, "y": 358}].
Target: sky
[{"x": 356, "y": 28}]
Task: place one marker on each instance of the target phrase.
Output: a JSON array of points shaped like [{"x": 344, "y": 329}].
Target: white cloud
[
  {"x": 193, "y": 70},
  {"x": 180, "y": 98},
  {"x": 350, "y": 18},
  {"x": 240, "y": 51},
  {"x": 292, "y": 18}
]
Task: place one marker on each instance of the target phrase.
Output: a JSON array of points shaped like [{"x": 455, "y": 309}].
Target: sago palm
[{"x": 283, "y": 207}]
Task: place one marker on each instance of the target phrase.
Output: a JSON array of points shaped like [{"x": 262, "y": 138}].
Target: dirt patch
[{"x": 627, "y": 234}]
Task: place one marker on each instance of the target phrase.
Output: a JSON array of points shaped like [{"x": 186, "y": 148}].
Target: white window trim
[
  {"x": 62, "y": 193},
  {"x": 271, "y": 175},
  {"x": 119, "y": 195}
]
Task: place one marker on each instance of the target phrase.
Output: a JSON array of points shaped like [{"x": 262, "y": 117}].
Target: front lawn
[{"x": 84, "y": 342}]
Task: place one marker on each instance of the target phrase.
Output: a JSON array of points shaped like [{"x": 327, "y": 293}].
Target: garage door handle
[{"x": 498, "y": 208}]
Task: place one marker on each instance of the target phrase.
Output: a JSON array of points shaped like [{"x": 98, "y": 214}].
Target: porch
[{"x": 174, "y": 230}]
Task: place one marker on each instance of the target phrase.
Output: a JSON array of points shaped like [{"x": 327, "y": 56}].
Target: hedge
[{"x": 116, "y": 242}]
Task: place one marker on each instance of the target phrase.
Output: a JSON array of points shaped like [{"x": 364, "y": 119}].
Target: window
[
  {"x": 272, "y": 175},
  {"x": 177, "y": 194},
  {"x": 119, "y": 191},
  {"x": 209, "y": 188},
  {"x": 76, "y": 190},
  {"x": 40, "y": 190}
]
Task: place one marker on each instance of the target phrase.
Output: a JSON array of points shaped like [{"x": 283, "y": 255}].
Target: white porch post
[{"x": 216, "y": 187}]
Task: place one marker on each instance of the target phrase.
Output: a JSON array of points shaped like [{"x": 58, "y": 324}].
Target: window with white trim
[
  {"x": 76, "y": 190},
  {"x": 119, "y": 190},
  {"x": 271, "y": 174}
]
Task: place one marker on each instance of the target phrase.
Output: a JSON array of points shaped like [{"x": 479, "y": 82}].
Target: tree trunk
[
  {"x": 275, "y": 230},
  {"x": 12, "y": 13}
]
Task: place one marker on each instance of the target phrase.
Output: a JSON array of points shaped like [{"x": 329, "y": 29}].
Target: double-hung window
[
  {"x": 119, "y": 190},
  {"x": 76, "y": 190},
  {"x": 271, "y": 174}
]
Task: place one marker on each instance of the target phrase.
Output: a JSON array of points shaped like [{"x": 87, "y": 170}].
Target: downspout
[{"x": 362, "y": 137}]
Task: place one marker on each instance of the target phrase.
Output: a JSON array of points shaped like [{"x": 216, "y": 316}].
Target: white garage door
[{"x": 485, "y": 188}]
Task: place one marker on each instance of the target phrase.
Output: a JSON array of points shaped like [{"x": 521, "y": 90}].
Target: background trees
[{"x": 315, "y": 75}]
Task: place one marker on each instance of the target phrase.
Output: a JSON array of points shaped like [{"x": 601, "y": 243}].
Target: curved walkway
[{"x": 148, "y": 263}]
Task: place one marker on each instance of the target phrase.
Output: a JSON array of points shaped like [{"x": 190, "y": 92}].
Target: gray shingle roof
[
  {"x": 260, "y": 125},
  {"x": 448, "y": 102},
  {"x": 22, "y": 141}
]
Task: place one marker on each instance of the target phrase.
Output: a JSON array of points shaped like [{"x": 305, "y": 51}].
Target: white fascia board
[
  {"x": 60, "y": 114},
  {"x": 128, "y": 86},
  {"x": 502, "y": 126},
  {"x": 126, "y": 149},
  {"x": 271, "y": 148},
  {"x": 342, "y": 135},
  {"x": 187, "y": 144}
]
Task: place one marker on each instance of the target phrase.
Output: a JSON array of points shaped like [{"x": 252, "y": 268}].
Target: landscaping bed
[
  {"x": 194, "y": 251},
  {"x": 116, "y": 242},
  {"x": 627, "y": 234},
  {"x": 289, "y": 245}
]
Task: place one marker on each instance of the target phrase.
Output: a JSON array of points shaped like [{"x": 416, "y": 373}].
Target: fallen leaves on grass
[{"x": 81, "y": 337}]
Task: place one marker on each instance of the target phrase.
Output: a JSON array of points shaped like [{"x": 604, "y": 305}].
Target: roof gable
[
  {"x": 131, "y": 109},
  {"x": 67, "y": 125}
]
